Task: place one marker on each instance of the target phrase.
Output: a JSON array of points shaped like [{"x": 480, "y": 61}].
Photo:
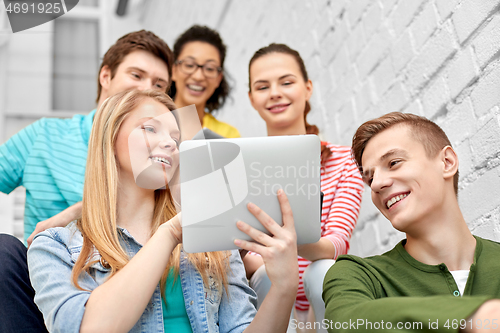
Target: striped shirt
[
  {"x": 343, "y": 187},
  {"x": 48, "y": 158}
]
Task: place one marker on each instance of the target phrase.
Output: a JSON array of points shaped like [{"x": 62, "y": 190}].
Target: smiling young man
[
  {"x": 441, "y": 277},
  {"x": 48, "y": 158}
]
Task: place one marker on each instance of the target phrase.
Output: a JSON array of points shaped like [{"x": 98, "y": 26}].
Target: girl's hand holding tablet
[{"x": 279, "y": 252}]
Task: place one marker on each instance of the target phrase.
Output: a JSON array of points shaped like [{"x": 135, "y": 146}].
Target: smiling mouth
[
  {"x": 161, "y": 160},
  {"x": 278, "y": 108},
  {"x": 195, "y": 87},
  {"x": 391, "y": 202}
]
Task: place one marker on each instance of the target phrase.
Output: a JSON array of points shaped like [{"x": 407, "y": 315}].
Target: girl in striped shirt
[{"x": 280, "y": 91}]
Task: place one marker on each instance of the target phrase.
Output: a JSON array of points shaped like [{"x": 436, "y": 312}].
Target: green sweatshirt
[{"x": 371, "y": 294}]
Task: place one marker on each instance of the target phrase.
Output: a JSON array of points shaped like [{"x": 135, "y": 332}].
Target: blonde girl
[{"x": 121, "y": 267}]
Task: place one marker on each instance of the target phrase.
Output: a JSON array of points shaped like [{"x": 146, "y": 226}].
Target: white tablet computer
[{"x": 220, "y": 177}]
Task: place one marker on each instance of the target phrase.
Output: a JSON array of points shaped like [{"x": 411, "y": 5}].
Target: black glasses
[{"x": 190, "y": 66}]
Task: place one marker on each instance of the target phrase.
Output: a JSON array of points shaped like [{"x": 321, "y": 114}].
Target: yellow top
[{"x": 220, "y": 127}]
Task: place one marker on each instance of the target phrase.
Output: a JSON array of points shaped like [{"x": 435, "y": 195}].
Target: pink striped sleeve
[{"x": 341, "y": 206}]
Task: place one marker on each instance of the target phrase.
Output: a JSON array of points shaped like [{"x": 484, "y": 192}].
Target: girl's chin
[
  {"x": 153, "y": 179},
  {"x": 280, "y": 121},
  {"x": 193, "y": 97},
  {"x": 187, "y": 99}
]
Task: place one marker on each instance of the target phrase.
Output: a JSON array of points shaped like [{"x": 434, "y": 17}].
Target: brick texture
[
  {"x": 424, "y": 25},
  {"x": 487, "y": 43},
  {"x": 470, "y": 15}
]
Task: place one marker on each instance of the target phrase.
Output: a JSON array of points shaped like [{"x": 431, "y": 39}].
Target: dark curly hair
[{"x": 198, "y": 33}]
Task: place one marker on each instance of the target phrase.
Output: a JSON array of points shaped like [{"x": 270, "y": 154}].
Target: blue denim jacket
[{"x": 53, "y": 253}]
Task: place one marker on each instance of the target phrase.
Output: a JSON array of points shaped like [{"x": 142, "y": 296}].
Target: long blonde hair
[{"x": 98, "y": 223}]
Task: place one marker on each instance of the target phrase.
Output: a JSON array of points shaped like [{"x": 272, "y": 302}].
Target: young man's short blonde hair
[{"x": 430, "y": 135}]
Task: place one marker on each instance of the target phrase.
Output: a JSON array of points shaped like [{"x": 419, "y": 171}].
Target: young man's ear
[
  {"x": 105, "y": 77},
  {"x": 450, "y": 162}
]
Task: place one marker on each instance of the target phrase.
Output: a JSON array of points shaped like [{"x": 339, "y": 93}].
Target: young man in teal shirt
[
  {"x": 48, "y": 158},
  {"x": 441, "y": 277}
]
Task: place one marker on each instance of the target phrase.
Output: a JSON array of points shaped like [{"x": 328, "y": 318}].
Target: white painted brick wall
[
  {"x": 460, "y": 123},
  {"x": 403, "y": 14},
  {"x": 356, "y": 41},
  {"x": 372, "y": 19},
  {"x": 445, "y": 8},
  {"x": 483, "y": 140},
  {"x": 485, "y": 94},
  {"x": 355, "y": 10},
  {"x": 373, "y": 52},
  {"x": 424, "y": 25},
  {"x": 466, "y": 165},
  {"x": 483, "y": 195},
  {"x": 437, "y": 58},
  {"x": 430, "y": 59},
  {"x": 469, "y": 16},
  {"x": 486, "y": 44},
  {"x": 383, "y": 76},
  {"x": 461, "y": 72},
  {"x": 402, "y": 51},
  {"x": 434, "y": 97}
]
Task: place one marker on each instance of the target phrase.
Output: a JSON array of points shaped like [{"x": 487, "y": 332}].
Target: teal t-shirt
[
  {"x": 48, "y": 158},
  {"x": 175, "y": 318}
]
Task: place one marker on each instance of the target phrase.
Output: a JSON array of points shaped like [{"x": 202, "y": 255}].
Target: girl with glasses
[
  {"x": 198, "y": 76},
  {"x": 280, "y": 91},
  {"x": 121, "y": 266}
]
